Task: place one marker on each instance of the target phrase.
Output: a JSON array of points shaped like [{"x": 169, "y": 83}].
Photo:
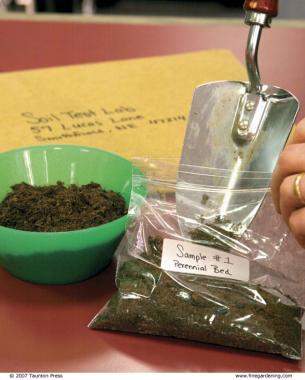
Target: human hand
[{"x": 288, "y": 184}]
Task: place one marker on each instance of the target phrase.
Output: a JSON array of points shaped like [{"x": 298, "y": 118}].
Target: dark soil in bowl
[{"x": 57, "y": 208}]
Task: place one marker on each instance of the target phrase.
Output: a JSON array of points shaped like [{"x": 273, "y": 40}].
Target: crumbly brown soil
[{"x": 59, "y": 208}]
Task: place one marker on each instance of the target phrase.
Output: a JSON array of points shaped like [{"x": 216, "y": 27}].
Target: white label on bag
[{"x": 184, "y": 257}]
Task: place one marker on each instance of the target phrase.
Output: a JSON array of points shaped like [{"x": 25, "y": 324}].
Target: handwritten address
[{"x": 54, "y": 126}]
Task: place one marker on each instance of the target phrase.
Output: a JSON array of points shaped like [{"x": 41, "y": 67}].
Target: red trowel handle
[{"x": 269, "y": 7}]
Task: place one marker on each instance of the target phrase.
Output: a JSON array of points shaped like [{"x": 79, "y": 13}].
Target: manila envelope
[{"x": 136, "y": 107}]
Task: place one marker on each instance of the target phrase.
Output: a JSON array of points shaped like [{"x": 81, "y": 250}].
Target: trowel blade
[{"x": 219, "y": 180}]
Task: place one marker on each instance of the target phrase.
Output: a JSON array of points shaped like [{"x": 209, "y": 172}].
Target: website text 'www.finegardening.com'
[{"x": 256, "y": 376}]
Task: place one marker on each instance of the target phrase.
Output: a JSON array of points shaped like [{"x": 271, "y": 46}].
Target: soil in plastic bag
[{"x": 212, "y": 310}]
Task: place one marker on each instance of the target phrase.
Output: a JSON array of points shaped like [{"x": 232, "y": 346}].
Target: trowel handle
[{"x": 269, "y": 7}]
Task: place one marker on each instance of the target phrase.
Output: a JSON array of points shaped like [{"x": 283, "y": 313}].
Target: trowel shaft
[
  {"x": 251, "y": 58},
  {"x": 259, "y": 14}
]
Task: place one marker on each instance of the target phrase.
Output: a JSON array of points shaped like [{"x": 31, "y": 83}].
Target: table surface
[{"x": 44, "y": 328}]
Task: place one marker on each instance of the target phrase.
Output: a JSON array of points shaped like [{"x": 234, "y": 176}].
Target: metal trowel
[{"x": 235, "y": 133}]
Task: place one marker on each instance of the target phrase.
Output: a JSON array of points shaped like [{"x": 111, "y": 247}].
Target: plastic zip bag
[{"x": 187, "y": 277}]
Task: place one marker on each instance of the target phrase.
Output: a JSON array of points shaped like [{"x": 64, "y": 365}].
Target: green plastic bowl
[{"x": 62, "y": 257}]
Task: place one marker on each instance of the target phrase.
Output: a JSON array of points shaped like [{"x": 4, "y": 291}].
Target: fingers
[
  {"x": 298, "y": 135},
  {"x": 289, "y": 200},
  {"x": 291, "y": 161},
  {"x": 288, "y": 185},
  {"x": 297, "y": 225}
]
